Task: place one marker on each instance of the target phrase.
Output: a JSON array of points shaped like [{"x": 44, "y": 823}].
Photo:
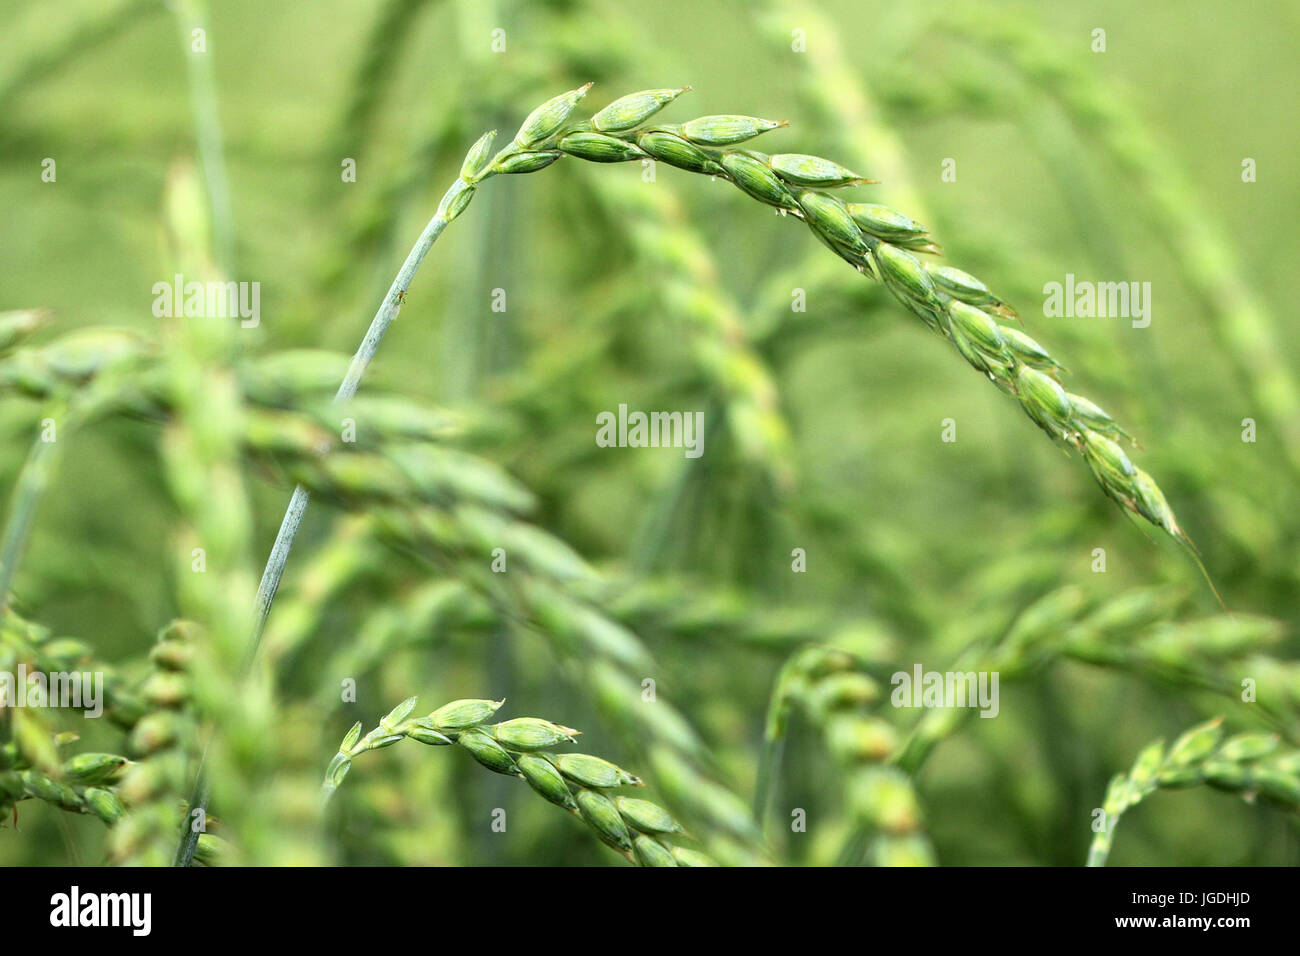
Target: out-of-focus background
[{"x": 1167, "y": 158}]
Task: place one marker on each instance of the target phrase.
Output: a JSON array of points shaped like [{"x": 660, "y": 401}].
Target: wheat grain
[
  {"x": 31, "y": 766},
  {"x": 579, "y": 783}
]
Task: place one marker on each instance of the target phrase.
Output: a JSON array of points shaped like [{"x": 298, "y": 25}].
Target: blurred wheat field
[{"x": 726, "y": 627}]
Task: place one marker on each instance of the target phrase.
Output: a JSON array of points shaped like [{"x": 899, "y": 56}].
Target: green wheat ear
[
  {"x": 522, "y": 747},
  {"x": 1250, "y": 764},
  {"x": 877, "y": 241}
]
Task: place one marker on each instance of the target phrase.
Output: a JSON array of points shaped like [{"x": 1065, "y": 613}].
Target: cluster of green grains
[
  {"x": 874, "y": 239},
  {"x": 378, "y": 449},
  {"x": 31, "y": 766},
  {"x": 81, "y": 784},
  {"x": 162, "y": 741},
  {"x": 827, "y": 687},
  {"x": 1249, "y": 764},
  {"x": 389, "y": 455},
  {"x": 410, "y": 472},
  {"x": 1188, "y": 652},
  {"x": 580, "y": 783}
]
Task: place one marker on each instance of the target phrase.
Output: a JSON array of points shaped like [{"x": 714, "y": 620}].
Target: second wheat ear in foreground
[
  {"x": 877, "y": 241},
  {"x": 523, "y": 747}
]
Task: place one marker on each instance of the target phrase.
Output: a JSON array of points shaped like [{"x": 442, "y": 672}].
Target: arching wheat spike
[
  {"x": 580, "y": 783},
  {"x": 875, "y": 239}
]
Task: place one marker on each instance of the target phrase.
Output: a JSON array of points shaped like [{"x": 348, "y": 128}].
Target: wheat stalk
[
  {"x": 1249, "y": 764},
  {"x": 580, "y": 783}
]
